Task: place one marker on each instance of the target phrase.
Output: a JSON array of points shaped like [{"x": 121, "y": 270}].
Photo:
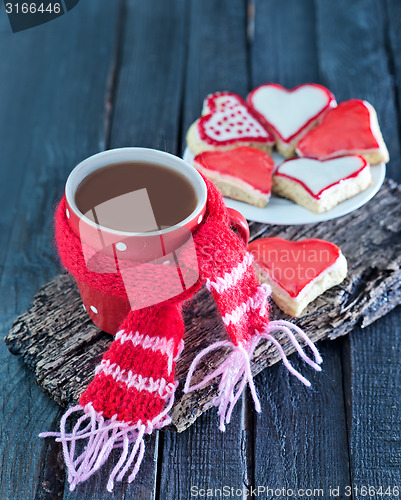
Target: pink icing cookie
[
  {"x": 243, "y": 173},
  {"x": 227, "y": 122},
  {"x": 298, "y": 271},
  {"x": 289, "y": 114},
  {"x": 321, "y": 185},
  {"x": 351, "y": 128}
]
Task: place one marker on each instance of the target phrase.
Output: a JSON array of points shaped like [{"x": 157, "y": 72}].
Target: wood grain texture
[
  {"x": 149, "y": 85},
  {"x": 57, "y": 340},
  {"x": 391, "y": 11},
  {"x": 300, "y": 437},
  {"x": 283, "y": 49},
  {"x": 52, "y": 97},
  {"x": 217, "y": 54},
  {"x": 144, "y": 111},
  {"x": 374, "y": 395},
  {"x": 203, "y": 456},
  {"x": 359, "y": 63},
  {"x": 294, "y": 435}
]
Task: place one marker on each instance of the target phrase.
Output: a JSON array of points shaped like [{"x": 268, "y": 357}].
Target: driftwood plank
[{"x": 58, "y": 342}]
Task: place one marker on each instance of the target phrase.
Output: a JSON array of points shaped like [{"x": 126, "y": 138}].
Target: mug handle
[{"x": 238, "y": 222}]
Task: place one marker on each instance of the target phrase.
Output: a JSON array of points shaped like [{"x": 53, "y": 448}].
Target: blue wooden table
[{"x": 134, "y": 73}]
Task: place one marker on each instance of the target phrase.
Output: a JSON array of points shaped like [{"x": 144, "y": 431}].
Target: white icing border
[{"x": 330, "y": 190}]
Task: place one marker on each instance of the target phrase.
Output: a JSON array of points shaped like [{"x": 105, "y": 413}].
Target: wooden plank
[
  {"x": 295, "y": 445},
  {"x": 373, "y": 394},
  {"x": 284, "y": 45},
  {"x": 299, "y": 431},
  {"x": 53, "y": 83},
  {"x": 357, "y": 64},
  {"x": 142, "y": 488},
  {"x": 217, "y": 55},
  {"x": 384, "y": 468},
  {"x": 203, "y": 456},
  {"x": 145, "y": 111},
  {"x": 391, "y": 10},
  {"x": 147, "y": 105}
]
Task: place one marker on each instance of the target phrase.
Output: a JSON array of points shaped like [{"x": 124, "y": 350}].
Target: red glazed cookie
[
  {"x": 350, "y": 128},
  {"x": 321, "y": 185},
  {"x": 227, "y": 122},
  {"x": 289, "y": 114},
  {"x": 243, "y": 173},
  {"x": 298, "y": 272}
]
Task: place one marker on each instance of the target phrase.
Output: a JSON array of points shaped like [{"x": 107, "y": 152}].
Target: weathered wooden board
[
  {"x": 53, "y": 86},
  {"x": 299, "y": 431},
  {"x": 57, "y": 340},
  {"x": 144, "y": 111},
  {"x": 359, "y": 55},
  {"x": 216, "y": 58},
  {"x": 391, "y": 15}
]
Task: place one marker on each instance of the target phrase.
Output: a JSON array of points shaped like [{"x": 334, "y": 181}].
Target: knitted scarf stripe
[
  {"x": 133, "y": 389},
  {"x": 135, "y": 379}
]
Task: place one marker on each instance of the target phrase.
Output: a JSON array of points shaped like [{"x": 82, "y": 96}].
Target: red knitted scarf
[{"x": 134, "y": 385}]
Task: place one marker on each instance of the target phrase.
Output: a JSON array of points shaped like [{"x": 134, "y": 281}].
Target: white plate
[{"x": 282, "y": 211}]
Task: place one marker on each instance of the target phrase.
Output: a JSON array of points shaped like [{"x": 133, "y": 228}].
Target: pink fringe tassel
[
  {"x": 237, "y": 369},
  {"x": 103, "y": 436}
]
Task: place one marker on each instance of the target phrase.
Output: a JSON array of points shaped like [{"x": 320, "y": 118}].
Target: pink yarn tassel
[
  {"x": 103, "y": 436},
  {"x": 236, "y": 368}
]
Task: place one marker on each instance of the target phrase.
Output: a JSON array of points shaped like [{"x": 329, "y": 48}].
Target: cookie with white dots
[{"x": 227, "y": 122}]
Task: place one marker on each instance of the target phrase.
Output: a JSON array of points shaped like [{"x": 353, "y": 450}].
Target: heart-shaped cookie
[
  {"x": 227, "y": 122},
  {"x": 298, "y": 271},
  {"x": 320, "y": 185},
  {"x": 350, "y": 128},
  {"x": 289, "y": 114},
  {"x": 242, "y": 173}
]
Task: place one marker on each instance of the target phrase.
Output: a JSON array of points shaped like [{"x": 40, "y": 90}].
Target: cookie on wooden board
[{"x": 297, "y": 271}]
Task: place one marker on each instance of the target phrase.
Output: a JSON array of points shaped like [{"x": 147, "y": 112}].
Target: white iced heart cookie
[
  {"x": 289, "y": 114},
  {"x": 321, "y": 185}
]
